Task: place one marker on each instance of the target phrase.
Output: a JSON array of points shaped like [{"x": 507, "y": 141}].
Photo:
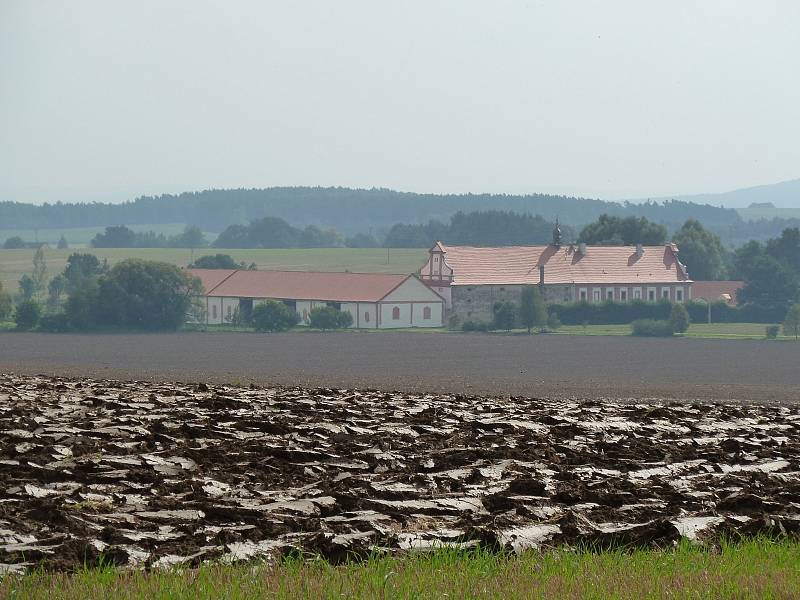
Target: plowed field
[{"x": 160, "y": 474}]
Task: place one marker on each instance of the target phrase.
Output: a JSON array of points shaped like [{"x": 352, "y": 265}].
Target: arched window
[
  {"x": 396, "y": 313},
  {"x": 426, "y": 312}
]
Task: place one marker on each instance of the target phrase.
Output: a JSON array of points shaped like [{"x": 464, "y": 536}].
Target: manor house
[{"x": 472, "y": 279}]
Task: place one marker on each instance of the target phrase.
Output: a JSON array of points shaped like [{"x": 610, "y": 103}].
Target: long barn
[{"x": 375, "y": 300}]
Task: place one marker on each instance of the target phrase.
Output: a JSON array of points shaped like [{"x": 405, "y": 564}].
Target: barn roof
[
  {"x": 211, "y": 278},
  {"x": 563, "y": 264},
  {"x": 307, "y": 285},
  {"x": 712, "y": 291}
]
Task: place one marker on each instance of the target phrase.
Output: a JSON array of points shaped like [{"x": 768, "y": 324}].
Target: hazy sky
[{"x": 104, "y": 100}]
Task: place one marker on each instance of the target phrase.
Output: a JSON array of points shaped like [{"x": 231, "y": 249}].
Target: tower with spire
[{"x": 557, "y": 235}]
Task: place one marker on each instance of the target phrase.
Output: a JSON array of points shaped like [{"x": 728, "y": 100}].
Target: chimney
[
  {"x": 582, "y": 248},
  {"x": 639, "y": 250},
  {"x": 541, "y": 274}
]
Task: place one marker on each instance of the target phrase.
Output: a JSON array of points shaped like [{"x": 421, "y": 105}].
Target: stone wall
[{"x": 475, "y": 302}]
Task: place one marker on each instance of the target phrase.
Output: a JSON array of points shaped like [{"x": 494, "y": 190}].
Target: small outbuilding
[{"x": 375, "y": 300}]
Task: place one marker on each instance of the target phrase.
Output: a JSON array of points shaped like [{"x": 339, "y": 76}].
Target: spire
[{"x": 556, "y": 235}]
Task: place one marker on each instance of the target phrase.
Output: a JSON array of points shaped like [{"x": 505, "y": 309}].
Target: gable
[{"x": 412, "y": 290}]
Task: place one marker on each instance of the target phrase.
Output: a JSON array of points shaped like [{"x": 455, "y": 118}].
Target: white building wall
[{"x": 404, "y": 314}]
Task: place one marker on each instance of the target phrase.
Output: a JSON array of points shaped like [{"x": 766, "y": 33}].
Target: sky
[{"x": 106, "y": 101}]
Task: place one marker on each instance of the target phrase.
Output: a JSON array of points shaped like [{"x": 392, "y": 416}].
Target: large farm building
[
  {"x": 473, "y": 279},
  {"x": 375, "y": 300}
]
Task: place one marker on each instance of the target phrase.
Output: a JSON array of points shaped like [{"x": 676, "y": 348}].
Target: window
[
  {"x": 651, "y": 294},
  {"x": 637, "y": 293},
  {"x": 396, "y": 313},
  {"x": 305, "y": 314},
  {"x": 366, "y": 317},
  {"x": 229, "y": 312},
  {"x": 426, "y": 313},
  {"x": 679, "y": 294},
  {"x": 436, "y": 259},
  {"x": 582, "y": 294},
  {"x": 623, "y": 295},
  {"x": 214, "y": 312},
  {"x": 665, "y": 293},
  {"x": 596, "y": 295},
  {"x": 609, "y": 294}
]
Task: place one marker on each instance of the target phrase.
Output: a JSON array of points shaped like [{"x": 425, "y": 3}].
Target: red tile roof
[
  {"x": 717, "y": 290},
  {"x": 211, "y": 278},
  {"x": 305, "y": 285},
  {"x": 563, "y": 264}
]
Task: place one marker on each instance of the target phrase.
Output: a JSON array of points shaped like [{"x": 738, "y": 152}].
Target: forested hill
[{"x": 347, "y": 210}]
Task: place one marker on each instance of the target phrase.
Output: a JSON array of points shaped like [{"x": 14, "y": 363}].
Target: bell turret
[{"x": 556, "y": 235}]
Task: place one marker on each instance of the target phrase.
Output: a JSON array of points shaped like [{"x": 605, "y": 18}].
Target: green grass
[
  {"x": 754, "y": 569},
  {"x": 723, "y": 331},
  {"x": 83, "y": 235},
  {"x": 15, "y": 263}
]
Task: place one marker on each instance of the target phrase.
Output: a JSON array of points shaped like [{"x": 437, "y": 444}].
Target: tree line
[{"x": 352, "y": 211}]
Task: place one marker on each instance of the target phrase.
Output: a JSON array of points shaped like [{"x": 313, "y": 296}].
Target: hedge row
[{"x": 621, "y": 313}]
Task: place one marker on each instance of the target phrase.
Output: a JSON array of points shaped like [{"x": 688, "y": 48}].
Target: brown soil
[
  {"x": 541, "y": 366},
  {"x": 160, "y": 474}
]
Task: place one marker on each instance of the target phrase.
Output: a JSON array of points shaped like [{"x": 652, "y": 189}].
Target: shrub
[
  {"x": 651, "y": 328},
  {"x": 679, "y": 318},
  {"x": 553, "y": 323},
  {"x": 470, "y": 325},
  {"x": 27, "y": 314},
  {"x": 55, "y": 323},
  {"x": 609, "y": 313},
  {"x": 505, "y": 316},
  {"x": 5, "y": 304},
  {"x": 772, "y": 332},
  {"x": 273, "y": 316},
  {"x": 791, "y": 326},
  {"x": 328, "y": 317},
  {"x": 454, "y": 322}
]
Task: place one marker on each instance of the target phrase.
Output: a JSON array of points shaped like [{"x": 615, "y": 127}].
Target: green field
[
  {"x": 757, "y": 569},
  {"x": 741, "y": 331},
  {"x": 15, "y": 263},
  {"x": 754, "y": 214},
  {"x": 81, "y": 236}
]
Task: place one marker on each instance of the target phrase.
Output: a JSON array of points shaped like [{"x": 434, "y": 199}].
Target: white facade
[{"x": 410, "y": 304}]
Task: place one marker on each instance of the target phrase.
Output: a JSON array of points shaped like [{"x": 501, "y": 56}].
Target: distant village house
[{"x": 375, "y": 300}]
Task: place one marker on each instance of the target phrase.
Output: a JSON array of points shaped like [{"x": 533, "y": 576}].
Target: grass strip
[{"x": 753, "y": 569}]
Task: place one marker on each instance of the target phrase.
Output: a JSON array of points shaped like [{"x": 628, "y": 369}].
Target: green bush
[
  {"x": 27, "y": 314},
  {"x": 505, "y": 316},
  {"x": 454, "y": 322},
  {"x": 620, "y": 313},
  {"x": 679, "y": 318},
  {"x": 651, "y": 328},
  {"x": 54, "y": 323},
  {"x": 553, "y": 324},
  {"x": 273, "y": 316},
  {"x": 5, "y": 304},
  {"x": 328, "y": 317},
  {"x": 470, "y": 325},
  {"x": 772, "y": 332}
]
